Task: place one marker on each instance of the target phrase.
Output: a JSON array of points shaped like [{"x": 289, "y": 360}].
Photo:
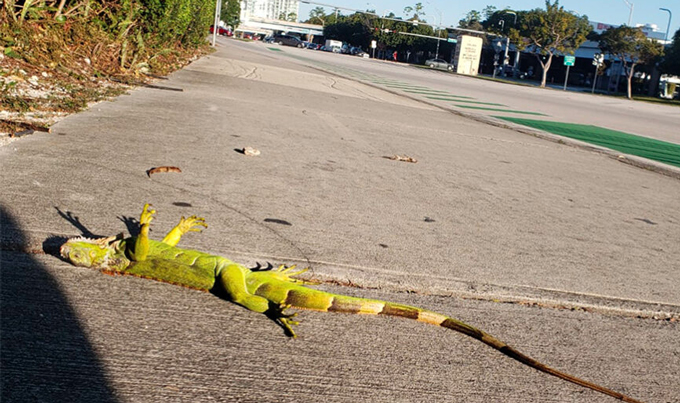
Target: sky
[{"x": 614, "y": 12}]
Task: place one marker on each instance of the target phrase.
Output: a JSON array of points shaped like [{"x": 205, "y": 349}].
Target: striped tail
[{"x": 306, "y": 298}]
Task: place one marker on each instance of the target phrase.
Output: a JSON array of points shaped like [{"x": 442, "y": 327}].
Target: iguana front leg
[
  {"x": 185, "y": 225},
  {"x": 141, "y": 249}
]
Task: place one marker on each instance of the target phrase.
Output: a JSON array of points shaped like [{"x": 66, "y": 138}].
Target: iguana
[{"x": 270, "y": 292}]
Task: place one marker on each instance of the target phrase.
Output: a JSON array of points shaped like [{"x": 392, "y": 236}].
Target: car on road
[
  {"x": 288, "y": 40},
  {"x": 356, "y": 51},
  {"x": 221, "y": 31},
  {"x": 440, "y": 64}
]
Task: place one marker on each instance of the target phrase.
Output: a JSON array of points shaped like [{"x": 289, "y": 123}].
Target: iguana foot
[
  {"x": 147, "y": 215},
  {"x": 191, "y": 224},
  {"x": 284, "y": 319},
  {"x": 286, "y": 274}
]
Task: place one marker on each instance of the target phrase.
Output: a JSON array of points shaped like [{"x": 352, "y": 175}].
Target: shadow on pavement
[{"x": 44, "y": 352}]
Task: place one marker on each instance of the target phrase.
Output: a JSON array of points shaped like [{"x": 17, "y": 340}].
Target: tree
[
  {"x": 549, "y": 32},
  {"x": 360, "y": 28},
  {"x": 417, "y": 11},
  {"x": 231, "y": 13},
  {"x": 489, "y": 11},
  {"x": 631, "y": 47},
  {"x": 354, "y": 29},
  {"x": 472, "y": 20},
  {"x": 288, "y": 17},
  {"x": 317, "y": 15},
  {"x": 671, "y": 62}
]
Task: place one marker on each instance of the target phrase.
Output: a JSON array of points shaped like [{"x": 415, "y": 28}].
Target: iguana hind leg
[
  {"x": 185, "y": 225},
  {"x": 287, "y": 273},
  {"x": 285, "y": 320},
  {"x": 232, "y": 279}
]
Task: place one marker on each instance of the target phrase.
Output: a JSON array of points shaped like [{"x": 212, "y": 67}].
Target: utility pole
[
  {"x": 630, "y": 15},
  {"x": 439, "y": 27},
  {"x": 216, "y": 22},
  {"x": 438, "y": 33},
  {"x": 670, "y": 15},
  {"x": 507, "y": 43}
]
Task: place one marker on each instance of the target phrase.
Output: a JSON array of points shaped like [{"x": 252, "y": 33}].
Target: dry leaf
[
  {"x": 403, "y": 158},
  {"x": 251, "y": 152},
  {"x": 156, "y": 170}
]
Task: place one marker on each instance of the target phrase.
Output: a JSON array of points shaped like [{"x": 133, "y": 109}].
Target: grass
[{"x": 644, "y": 98}]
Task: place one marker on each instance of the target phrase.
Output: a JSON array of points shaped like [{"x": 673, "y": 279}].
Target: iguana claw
[
  {"x": 191, "y": 224},
  {"x": 147, "y": 215},
  {"x": 286, "y": 274},
  {"x": 285, "y": 319}
]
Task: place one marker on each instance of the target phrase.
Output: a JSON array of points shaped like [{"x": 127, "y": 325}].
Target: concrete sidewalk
[{"x": 485, "y": 215}]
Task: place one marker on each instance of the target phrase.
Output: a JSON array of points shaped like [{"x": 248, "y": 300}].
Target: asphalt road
[
  {"x": 641, "y": 118},
  {"x": 568, "y": 255}
]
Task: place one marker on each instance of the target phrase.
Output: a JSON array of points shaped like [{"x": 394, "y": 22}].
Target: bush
[{"x": 138, "y": 31}]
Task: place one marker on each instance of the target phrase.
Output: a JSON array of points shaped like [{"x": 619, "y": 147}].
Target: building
[
  {"x": 260, "y": 18},
  {"x": 589, "y": 48},
  {"x": 270, "y": 10}
]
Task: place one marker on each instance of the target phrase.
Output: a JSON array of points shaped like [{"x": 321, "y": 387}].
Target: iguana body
[{"x": 269, "y": 292}]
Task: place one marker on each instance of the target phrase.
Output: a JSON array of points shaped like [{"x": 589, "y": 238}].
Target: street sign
[
  {"x": 374, "y": 44},
  {"x": 598, "y": 59},
  {"x": 451, "y": 40},
  {"x": 568, "y": 61}
]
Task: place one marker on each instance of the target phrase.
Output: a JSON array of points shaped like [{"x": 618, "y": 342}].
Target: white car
[{"x": 439, "y": 64}]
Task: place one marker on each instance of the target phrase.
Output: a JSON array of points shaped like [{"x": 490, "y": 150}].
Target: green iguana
[{"x": 270, "y": 292}]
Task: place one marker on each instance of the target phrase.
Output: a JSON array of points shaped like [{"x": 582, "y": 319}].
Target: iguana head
[{"x": 103, "y": 253}]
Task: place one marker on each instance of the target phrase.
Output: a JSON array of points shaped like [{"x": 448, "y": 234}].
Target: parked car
[
  {"x": 288, "y": 40},
  {"x": 313, "y": 46},
  {"x": 356, "y": 51},
  {"x": 221, "y": 31},
  {"x": 440, "y": 64}
]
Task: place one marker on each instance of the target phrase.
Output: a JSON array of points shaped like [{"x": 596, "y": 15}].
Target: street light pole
[
  {"x": 630, "y": 15},
  {"x": 507, "y": 43},
  {"x": 670, "y": 15},
  {"x": 382, "y": 29},
  {"x": 438, "y": 33},
  {"x": 216, "y": 22}
]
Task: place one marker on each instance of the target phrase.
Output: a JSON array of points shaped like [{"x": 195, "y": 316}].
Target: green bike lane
[{"x": 622, "y": 142}]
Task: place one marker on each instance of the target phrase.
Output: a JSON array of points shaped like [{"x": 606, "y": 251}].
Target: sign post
[
  {"x": 374, "y": 44},
  {"x": 598, "y": 59},
  {"x": 568, "y": 61},
  {"x": 497, "y": 47}
]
